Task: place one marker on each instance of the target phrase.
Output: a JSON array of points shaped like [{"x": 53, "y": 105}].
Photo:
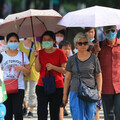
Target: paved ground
[{"x": 65, "y": 118}]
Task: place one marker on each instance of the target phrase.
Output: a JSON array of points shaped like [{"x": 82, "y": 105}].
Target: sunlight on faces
[
  {"x": 91, "y": 33},
  {"x": 66, "y": 50},
  {"x": 82, "y": 47}
]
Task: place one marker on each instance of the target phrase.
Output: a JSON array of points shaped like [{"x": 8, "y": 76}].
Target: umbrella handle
[{"x": 33, "y": 32}]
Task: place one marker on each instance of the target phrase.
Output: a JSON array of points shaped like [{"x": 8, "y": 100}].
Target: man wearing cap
[{"x": 109, "y": 57}]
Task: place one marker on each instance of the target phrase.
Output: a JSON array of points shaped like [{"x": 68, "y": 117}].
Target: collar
[{"x": 116, "y": 43}]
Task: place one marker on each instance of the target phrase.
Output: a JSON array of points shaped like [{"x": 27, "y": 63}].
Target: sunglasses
[
  {"x": 112, "y": 30},
  {"x": 84, "y": 43}
]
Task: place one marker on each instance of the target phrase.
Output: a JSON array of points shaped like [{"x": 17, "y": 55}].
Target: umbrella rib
[
  {"x": 21, "y": 24},
  {"x": 41, "y": 22}
]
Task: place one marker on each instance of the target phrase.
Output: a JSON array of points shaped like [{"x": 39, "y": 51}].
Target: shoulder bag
[
  {"x": 49, "y": 83},
  {"x": 12, "y": 84},
  {"x": 84, "y": 92}
]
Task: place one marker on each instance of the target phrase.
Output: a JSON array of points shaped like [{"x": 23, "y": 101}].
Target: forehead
[
  {"x": 59, "y": 34},
  {"x": 92, "y": 30},
  {"x": 46, "y": 37},
  {"x": 83, "y": 40},
  {"x": 13, "y": 38},
  {"x": 66, "y": 47}
]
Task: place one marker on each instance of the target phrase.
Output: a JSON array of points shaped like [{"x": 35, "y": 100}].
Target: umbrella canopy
[
  {"x": 95, "y": 16},
  {"x": 31, "y": 23}
]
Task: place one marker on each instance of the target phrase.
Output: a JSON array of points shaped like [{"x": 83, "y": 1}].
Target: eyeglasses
[
  {"x": 84, "y": 43},
  {"x": 112, "y": 30}
]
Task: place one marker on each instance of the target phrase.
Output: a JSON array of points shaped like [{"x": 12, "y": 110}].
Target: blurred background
[{"x": 62, "y": 6}]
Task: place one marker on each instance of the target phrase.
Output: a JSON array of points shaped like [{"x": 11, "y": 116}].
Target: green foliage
[
  {"x": 69, "y": 7},
  {"x": 107, "y": 3},
  {"x": 16, "y": 5}
]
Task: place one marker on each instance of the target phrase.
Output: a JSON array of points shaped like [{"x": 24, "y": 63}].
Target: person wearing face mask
[
  {"x": 28, "y": 46},
  {"x": 14, "y": 64},
  {"x": 109, "y": 57},
  {"x": 49, "y": 59},
  {"x": 60, "y": 35},
  {"x": 90, "y": 31}
]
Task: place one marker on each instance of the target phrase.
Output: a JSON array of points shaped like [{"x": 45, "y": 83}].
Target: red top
[
  {"x": 110, "y": 65},
  {"x": 56, "y": 58}
]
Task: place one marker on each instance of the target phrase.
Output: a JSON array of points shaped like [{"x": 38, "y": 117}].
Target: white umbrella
[
  {"x": 31, "y": 23},
  {"x": 95, "y": 16}
]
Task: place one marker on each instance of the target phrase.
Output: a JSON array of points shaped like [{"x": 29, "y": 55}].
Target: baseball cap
[{"x": 105, "y": 28}]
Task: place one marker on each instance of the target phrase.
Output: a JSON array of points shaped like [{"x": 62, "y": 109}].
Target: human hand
[
  {"x": 97, "y": 47},
  {"x": 36, "y": 52},
  {"x": 19, "y": 68},
  {"x": 65, "y": 99},
  {"x": 99, "y": 92},
  {"x": 49, "y": 66}
]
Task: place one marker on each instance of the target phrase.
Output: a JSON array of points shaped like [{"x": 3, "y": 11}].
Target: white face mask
[{"x": 59, "y": 39}]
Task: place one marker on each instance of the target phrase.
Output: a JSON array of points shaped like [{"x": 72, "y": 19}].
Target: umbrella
[
  {"x": 95, "y": 16},
  {"x": 31, "y": 23}
]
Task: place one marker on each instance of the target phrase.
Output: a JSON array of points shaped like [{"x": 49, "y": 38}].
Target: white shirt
[
  {"x": 8, "y": 64},
  {"x": 3, "y": 47}
]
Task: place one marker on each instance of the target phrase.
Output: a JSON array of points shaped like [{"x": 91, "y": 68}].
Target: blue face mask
[
  {"x": 13, "y": 45},
  {"x": 111, "y": 35},
  {"x": 92, "y": 40}
]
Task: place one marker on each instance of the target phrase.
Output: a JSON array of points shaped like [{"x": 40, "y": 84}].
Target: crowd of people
[{"x": 50, "y": 69}]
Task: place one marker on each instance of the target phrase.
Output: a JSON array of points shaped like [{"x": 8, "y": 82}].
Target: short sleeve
[
  {"x": 97, "y": 65},
  {"x": 26, "y": 61},
  {"x": 63, "y": 58},
  {"x": 69, "y": 65}
]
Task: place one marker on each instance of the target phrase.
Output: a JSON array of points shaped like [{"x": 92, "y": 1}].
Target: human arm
[
  {"x": 62, "y": 63},
  {"x": 96, "y": 49},
  {"x": 66, "y": 86},
  {"x": 25, "y": 69},
  {"x": 61, "y": 69},
  {"x": 37, "y": 62},
  {"x": 99, "y": 83}
]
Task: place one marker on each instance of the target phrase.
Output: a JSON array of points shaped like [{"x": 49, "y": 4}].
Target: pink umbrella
[{"x": 31, "y": 23}]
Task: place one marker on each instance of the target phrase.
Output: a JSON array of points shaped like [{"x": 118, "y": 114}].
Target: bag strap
[
  {"x": 22, "y": 63},
  {"x": 77, "y": 65},
  {"x": 30, "y": 51},
  {"x": 50, "y": 74}
]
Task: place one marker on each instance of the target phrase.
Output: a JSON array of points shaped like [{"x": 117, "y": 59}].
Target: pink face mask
[{"x": 59, "y": 39}]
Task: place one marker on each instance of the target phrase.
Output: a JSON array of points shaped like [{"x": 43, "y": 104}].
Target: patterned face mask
[{"x": 47, "y": 44}]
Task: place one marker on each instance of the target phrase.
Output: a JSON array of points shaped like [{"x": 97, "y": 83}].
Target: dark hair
[
  {"x": 88, "y": 29},
  {"x": 61, "y": 32},
  {"x": 12, "y": 35},
  {"x": 49, "y": 33},
  {"x": 64, "y": 43},
  {"x": 1, "y": 37}
]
